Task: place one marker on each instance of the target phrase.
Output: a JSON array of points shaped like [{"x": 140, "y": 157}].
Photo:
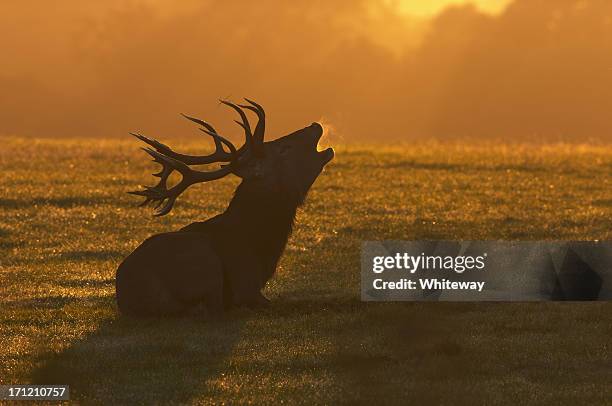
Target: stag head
[{"x": 288, "y": 165}]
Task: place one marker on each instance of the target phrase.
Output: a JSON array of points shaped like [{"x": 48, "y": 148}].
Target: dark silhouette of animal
[{"x": 226, "y": 260}]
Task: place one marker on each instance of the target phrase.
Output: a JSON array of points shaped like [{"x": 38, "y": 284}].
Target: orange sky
[
  {"x": 374, "y": 69},
  {"x": 427, "y": 8},
  {"x": 419, "y": 8}
]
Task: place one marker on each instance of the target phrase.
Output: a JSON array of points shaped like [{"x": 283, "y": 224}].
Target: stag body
[{"x": 228, "y": 259}]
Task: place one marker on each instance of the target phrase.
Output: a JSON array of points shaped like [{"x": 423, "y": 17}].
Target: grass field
[{"x": 66, "y": 223}]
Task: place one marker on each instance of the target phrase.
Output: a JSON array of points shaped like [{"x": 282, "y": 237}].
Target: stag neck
[
  {"x": 263, "y": 218},
  {"x": 258, "y": 204}
]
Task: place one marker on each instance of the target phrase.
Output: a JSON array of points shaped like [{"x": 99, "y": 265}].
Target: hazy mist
[{"x": 540, "y": 68}]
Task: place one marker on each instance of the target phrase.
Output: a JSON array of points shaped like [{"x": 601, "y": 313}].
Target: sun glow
[{"x": 427, "y": 8}]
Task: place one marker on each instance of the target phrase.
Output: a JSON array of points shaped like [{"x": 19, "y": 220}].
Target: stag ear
[{"x": 251, "y": 169}]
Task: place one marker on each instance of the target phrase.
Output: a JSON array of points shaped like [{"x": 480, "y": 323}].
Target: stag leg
[
  {"x": 214, "y": 304},
  {"x": 253, "y": 299},
  {"x": 242, "y": 278},
  {"x": 258, "y": 300}
]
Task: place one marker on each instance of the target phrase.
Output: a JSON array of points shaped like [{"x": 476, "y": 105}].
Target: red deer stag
[{"x": 226, "y": 260}]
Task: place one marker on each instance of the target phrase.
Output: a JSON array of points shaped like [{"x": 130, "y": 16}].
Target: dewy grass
[{"x": 66, "y": 223}]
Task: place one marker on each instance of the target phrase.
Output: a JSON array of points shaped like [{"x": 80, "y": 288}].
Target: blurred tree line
[{"x": 541, "y": 68}]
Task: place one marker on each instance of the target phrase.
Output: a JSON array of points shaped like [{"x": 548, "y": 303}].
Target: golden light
[{"x": 426, "y": 8}]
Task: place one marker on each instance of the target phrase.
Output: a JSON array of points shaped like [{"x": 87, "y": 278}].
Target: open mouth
[{"x": 327, "y": 154}]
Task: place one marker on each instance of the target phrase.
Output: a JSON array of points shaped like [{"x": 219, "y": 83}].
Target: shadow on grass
[
  {"x": 47, "y": 302},
  {"x": 144, "y": 361},
  {"x": 380, "y": 350},
  {"x": 67, "y": 257},
  {"x": 61, "y": 202},
  {"x": 87, "y": 255},
  {"x": 462, "y": 168},
  {"x": 87, "y": 283},
  {"x": 5, "y": 242}
]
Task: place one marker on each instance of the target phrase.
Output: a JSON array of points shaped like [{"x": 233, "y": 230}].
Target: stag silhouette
[{"x": 226, "y": 260}]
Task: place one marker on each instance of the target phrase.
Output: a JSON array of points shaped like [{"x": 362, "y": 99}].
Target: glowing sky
[
  {"x": 417, "y": 8},
  {"x": 429, "y": 7}
]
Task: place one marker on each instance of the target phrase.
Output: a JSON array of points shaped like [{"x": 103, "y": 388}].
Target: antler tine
[
  {"x": 219, "y": 140},
  {"x": 218, "y": 156},
  {"x": 260, "y": 128},
  {"x": 153, "y": 142},
  {"x": 255, "y": 104},
  {"x": 246, "y": 126},
  {"x": 203, "y": 123},
  {"x": 208, "y": 127},
  {"x": 165, "y": 197}
]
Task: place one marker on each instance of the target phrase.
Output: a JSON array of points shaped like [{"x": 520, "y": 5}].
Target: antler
[
  {"x": 260, "y": 128},
  {"x": 218, "y": 156},
  {"x": 173, "y": 161},
  {"x": 165, "y": 197},
  {"x": 252, "y": 141}
]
